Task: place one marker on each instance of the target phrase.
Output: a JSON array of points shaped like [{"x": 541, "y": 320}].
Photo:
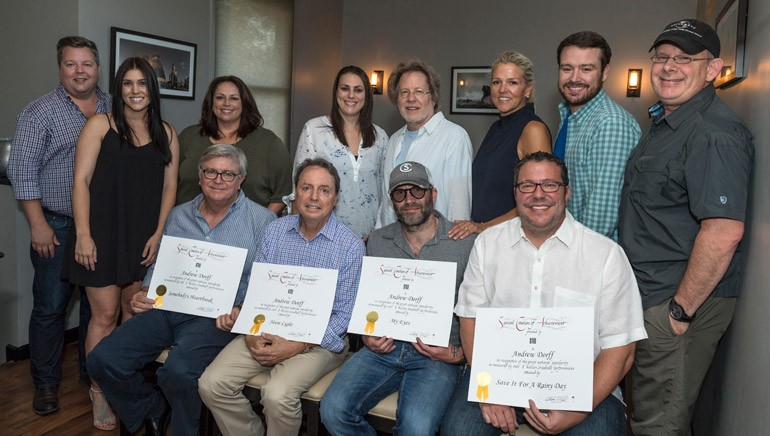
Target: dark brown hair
[
  {"x": 251, "y": 119},
  {"x": 586, "y": 39},
  {"x": 365, "y": 125},
  {"x": 155, "y": 125}
]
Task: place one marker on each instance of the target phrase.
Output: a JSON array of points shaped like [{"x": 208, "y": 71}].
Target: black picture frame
[
  {"x": 731, "y": 28},
  {"x": 174, "y": 61},
  {"x": 471, "y": 91}
]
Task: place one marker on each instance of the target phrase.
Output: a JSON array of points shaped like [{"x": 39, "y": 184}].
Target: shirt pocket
[
  {"x": 659, "y": 177},
  {"x": 564, "y": 297}
]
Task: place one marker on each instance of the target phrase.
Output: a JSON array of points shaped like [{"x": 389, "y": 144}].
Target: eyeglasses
[
  {"x": 418, "y": 93},
  {"x": 227, "y": 176},
  {"x": 398, "y": 195},
  {"x": 547, "y": 186},
  {"x": 679, "y": 59}
]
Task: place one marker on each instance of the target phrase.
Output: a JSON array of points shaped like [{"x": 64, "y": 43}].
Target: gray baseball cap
[{"x": 413, "y": 173}]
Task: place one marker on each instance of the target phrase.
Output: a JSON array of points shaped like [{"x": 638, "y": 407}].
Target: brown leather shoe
[{"x": 46, "y": 400}]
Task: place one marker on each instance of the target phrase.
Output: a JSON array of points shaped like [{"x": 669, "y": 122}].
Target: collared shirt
[
  {"x": 600, "y": 135},
  {"x": 445, "y": 150},
  {"x": 334, "y": 247},
  {"x": 693, "y": 164},
  {"x": 574, "y": 267},
  {"x": 389, "y": 241},
  {"x": 360, "y": 176},
  {"x": 43, "y": 151},
  {"x": 243, "y": 226}
]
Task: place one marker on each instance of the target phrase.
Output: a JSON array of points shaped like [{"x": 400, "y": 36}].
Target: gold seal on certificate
[
  {"x": 160, "y": 291},
  {"x": 294, "y": 302},
  {"x": 539, "y": 354},
  {"x": 371, "y": 318},
  {"x": 483, "y": 379},
  {"x": 196, "y": 277},
  {"x": 406, "y": 299},
  {"x": 258, "y": 320}
]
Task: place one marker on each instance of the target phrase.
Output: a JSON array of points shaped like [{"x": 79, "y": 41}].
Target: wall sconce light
[
  {"x": 634, "y": 85},
  {"x": 377, "y": 81}
]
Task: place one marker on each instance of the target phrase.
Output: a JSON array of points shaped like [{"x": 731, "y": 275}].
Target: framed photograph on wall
[
  {"x": 471, "y": 91},
  {"x": 174, "y": 61},
  {"x": 731, "y": 28}
]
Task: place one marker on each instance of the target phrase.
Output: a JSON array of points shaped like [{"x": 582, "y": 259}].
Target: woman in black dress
[{"x": 126, "y": 167}]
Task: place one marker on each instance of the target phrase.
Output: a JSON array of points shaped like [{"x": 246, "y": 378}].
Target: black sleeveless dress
[{"x": 126, "y": 190}]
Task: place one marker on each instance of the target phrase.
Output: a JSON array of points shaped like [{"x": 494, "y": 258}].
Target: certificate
[
  {"x": 542, "y": 354},
  {"x": 196, "y": 277},
  {"x": 294, "y": 302},
  {"x": 405, "y": 299}
]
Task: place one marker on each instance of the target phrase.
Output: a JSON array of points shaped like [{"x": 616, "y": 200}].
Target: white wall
[
  {"x": 28, "y": 39},
  {"x": 460, "y": 33},
  {"x": 733, "y": 400},
  {"x": 184, "y": 20},
  {"x": 29, "y": 71},
  {"x": 315, "y": 61}
]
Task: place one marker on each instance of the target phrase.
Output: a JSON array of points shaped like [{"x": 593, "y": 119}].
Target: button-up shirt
[
  {"x": 575, "y": 267},
  {"x": 334, "y": 247},
  {"x": 243, "y": 226},
  {"x": 445, "y": 150},
  {"x": 600, "y": 135},
  {"x": 43, "y": 151},
  {"x": 693, "y": 164}
]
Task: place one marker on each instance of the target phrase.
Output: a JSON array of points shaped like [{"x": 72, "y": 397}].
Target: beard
[
  {"x": 415, "y": 218},
  {"x": 579, "y": 100}
]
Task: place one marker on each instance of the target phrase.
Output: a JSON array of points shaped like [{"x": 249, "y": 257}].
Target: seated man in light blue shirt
[{"x": 220, "y": 214}]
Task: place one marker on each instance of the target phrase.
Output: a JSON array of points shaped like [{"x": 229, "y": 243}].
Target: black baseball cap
[{"x": 692, "y": 36}]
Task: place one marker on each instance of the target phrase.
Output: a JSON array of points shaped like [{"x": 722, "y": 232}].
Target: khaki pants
[
  {"x": 222, "y": 383},
  {"x": 668, "y": 370}
]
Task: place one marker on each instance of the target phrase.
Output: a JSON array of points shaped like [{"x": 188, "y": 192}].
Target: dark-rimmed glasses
[
  {"x": 548, "y": 186},
  {"x": 227, "y": 176},
  {"x": 398, "y": 195}
]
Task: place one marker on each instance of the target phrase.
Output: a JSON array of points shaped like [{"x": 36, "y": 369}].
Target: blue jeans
[
  {"x": 115, "y": 364},
  {"x": 464, "y": 418},
  {"x": 424, "y": 388},
  {"x": 50, "y": 298}
]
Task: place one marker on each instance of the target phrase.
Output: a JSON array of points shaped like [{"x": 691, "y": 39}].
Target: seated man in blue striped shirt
[
  {"x": 313, "y": 238},
  {"x": 220, "y": 214}
]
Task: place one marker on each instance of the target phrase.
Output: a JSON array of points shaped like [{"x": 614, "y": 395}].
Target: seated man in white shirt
[
  {"x": 544, "y": 258},
  {"x": 430, "y": 139}
]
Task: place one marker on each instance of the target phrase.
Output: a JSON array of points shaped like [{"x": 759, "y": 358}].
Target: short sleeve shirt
[
  {"x": 574, "y": 267},
  {"x": 693, "y": 164}
]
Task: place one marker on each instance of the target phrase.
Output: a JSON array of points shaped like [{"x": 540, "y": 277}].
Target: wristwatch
[{"x": 677, "y": 312}]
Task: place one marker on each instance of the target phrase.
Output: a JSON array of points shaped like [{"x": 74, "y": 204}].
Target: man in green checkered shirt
[{"x": 596, "y": 135}]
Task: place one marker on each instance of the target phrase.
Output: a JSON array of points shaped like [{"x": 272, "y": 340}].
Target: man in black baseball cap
[
  {"x": 692, "y": 36},
  {"x": 682, "y": 210}
]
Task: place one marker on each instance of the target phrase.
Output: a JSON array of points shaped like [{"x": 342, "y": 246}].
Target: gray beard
[{"x": 414, "y": 222}]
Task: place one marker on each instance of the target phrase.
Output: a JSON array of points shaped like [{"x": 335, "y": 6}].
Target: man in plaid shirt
[
  {"x": 40, "y": 168},
  {"x": 314, "y": 238},
  {"x": 596, "y": 135}
]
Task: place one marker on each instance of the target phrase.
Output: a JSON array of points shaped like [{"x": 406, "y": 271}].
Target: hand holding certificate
[
  {"x": 196, "y": 277},
  {"x": 294, "y": 302},
  {"x": 542, "y": 354},
  {"x": 405, "y": 299}
]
